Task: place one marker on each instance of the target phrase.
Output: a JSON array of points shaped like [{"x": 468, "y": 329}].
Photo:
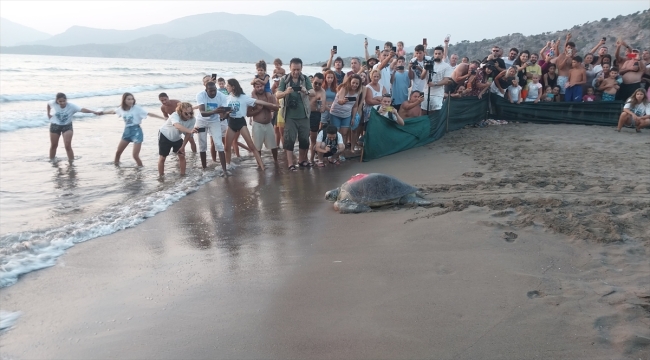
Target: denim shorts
[
  {"x": 340, "y": 122},
  {"x": 133, "y": 134}
]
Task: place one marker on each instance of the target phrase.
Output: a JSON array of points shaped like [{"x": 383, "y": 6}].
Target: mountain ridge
[{"x": 13, "y": 33}]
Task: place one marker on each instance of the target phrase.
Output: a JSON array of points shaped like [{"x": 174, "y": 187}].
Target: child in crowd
[
  {"x": 590, "y": 95},
  {"x": 548, "y": 94},
  {"x": 550, "y": 78},
  {"x": 260, "y": 66},
  {"x": 636, "y": 112},
  {"x": 534, "y": 90},
  {"x": 577, "y": 77},
  {"x": 400, "y": 49},
  {"x": 278, "y": 71},
  {"x": 386, "y": 110},
  {"x": 610, "y": 85},
  {"x": 514, "y": 91},
  {"x": 221, "y": 82},
  {"x": 556, "y": 93},
  {"x": 460, "y": 92}
]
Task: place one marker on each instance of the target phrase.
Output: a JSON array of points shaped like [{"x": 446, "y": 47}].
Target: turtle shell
[{"x": 374, "y": 188}]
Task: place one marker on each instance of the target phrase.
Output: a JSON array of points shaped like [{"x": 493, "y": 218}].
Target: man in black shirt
[{"x": 495, "y": 59}]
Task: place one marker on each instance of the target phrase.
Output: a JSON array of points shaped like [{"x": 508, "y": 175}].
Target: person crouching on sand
[
  {"x": 169, "y": 138},
  {"x": 329, "y": 144},
  {"x": 132, "y": 115},
  {"x": 636, "y": 111},
  {"x": 61, "y": 123}
]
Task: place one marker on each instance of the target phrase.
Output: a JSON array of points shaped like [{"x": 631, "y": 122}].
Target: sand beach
[{"x": 537, "y": 246}]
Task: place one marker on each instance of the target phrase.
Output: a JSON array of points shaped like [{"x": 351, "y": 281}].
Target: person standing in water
[
  {"x": 132, "y": 115},
  {"x": 239, "y": 103},
  {"x": 212, "y": 106},
  {"x": 168, "y": 107},
  {"x": 182, "y": 121},
  {"x": 61, "y": 123}
]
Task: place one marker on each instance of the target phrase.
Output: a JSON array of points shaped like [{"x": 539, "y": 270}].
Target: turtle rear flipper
[
  {"x": 413, "y": 199},
  {"x": 350, "y": 207}
]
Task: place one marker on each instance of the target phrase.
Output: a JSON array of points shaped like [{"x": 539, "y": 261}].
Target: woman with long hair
[
  {"x": 345, "y": 104},
  {"x": 501, "y": 80},
  {"x": 239, "y": 103},
  {"x": 181, "y": 122},
  {"x": 61, "y": 123},
  {"x": 521, "y": 63},
  {"x": 132, "y": 115},
  {"x": 635, "y": 112},
  {"x": 330, "y": 86}
]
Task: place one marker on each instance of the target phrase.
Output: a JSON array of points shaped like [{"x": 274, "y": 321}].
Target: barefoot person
[
  {"x": 132, "y": 115},
  {"x": 169, "y": 138},
  {"x": 169, "y": 107},
  {"x": 61, "y": 123},
  {"x": 239, "y": 104},
  {"x": 317, "y": 106},
  {"x": 211, "y": 107},
  {"x": 636, "y": 112},
  {"x": 263, "y": 133}
]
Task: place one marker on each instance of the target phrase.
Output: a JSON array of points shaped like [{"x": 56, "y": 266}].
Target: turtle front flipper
[
  {"x": 350, "y": 207},
  {"x": 413, "y": 199}
]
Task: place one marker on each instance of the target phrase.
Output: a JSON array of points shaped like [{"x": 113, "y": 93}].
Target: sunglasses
[
  {"x": 318, "y": 83},
  {"x": 188, "y": 113},
  {"x": 495, "y": 50}
]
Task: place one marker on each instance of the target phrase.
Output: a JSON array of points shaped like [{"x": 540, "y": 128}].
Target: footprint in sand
[
  {"x": 533, "y": 294},
  {"x": 473, "y": 174},
  {"x": 510, "y": 236}
]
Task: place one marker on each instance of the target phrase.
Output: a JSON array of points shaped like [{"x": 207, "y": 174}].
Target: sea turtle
[{"x": 365, "y": 191}]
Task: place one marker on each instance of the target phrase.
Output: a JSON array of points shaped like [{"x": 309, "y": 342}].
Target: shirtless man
[
  {"x": 169, "y": 107},
  {"x": 563, "y": 64},
  {"x": 411, "y": 108},
  {"x": 632, "y": 71},
  {"x": 577, "y": 77},
  {"x": 459, "y": 76},
  {"x": 609, "y": 85},
  {"x": 317, "y": 106},
  {"x": 263, "y": 132}
]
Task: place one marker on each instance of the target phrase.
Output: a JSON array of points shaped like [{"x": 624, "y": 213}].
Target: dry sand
[{"x": 537, "y": 247}]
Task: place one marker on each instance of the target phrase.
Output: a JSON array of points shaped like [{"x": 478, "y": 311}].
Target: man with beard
[
  {"x": 601, "y": 49},
  {"x": 495, "y": 59},
  {"x": 510, "y": 59},
  {"x": 355, "y": 65},
  {"x": 338, "y": 67},
  {"x": 533, "y": 68},
  {"x": 436, "y": 87}
]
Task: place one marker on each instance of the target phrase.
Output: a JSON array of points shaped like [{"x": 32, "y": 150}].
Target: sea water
[{"x": 48, "y": 206}]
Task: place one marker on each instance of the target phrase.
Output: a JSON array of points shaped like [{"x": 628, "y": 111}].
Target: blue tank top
[{"x": 329, "y": 95}]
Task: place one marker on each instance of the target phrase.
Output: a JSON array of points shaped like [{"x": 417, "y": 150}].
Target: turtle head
[{"x": 332, "y": 195}]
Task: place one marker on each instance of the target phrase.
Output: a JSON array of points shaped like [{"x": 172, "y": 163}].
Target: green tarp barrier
[{"x": 384, "y": 137}]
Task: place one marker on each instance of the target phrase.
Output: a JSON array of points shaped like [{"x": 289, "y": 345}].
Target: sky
[{"x": 383, "y": 20}]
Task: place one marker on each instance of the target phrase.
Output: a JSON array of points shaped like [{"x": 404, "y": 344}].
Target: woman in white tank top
[{"x": 374, "y": 93}]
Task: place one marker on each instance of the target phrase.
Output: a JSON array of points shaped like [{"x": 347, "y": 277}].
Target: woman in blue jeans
[{"x": 345, "y": 104}]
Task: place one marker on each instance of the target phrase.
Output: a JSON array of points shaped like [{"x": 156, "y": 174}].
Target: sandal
[
  {"x": 320, "y": 163},
  {"x": 293, "y": 168},
  {"x": 335, "y": 162},
  {"x": 306, "y": 164}
]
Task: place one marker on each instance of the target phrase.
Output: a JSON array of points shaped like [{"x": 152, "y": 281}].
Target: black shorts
[
  {"x": 165, "y": 145},
  {"x": 314, "y": 121},
  {"x": 60, "y": 129},
  {"x": 236, "y": 124}
]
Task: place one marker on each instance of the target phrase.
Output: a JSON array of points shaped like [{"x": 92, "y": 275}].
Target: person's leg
[
  {"x": 216, "y": 130},
  {"x": 235, "y": 145},
  {"x": 120, "y": 149},
  {"x": 192, "y": 145},
  {"x": 54, "y": 144},
  {"x": 213, "y": 149},
  {"x": 203, "y": 146},
  {"x": 136, "y": 153},
  {"x": 181, "y": 163},
  {"x": 303, "y": 141},
  {"x": 289, "y": 140},
  {"x": 161, "y": 165},
  {"x": 644, "y": 122},
  {"x": 247, "y": 137},
  {"x": 623, "y": 120},
  {"x": 230, "y": 137},
  {"x": 67, "y": 142}
]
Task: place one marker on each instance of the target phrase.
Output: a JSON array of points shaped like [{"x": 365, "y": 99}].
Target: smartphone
[
  {"x": 214, "y": 76},
  {"x": 366, "y": 39},
  {"x": 226, "y": 108},
  {"x": 201, "y": 130},
  {"x": 335, "y": 49},
  {"x": 389, "y": 108},
  {"x": 424, "y": 41},
  {"x": 604, "y": 38},
  {"x": 351, "y": 98},
  {"x": 394, "y": 48},
  {"x": 377, "y": 47},
  {"x": 363, "y": 63},
  {"x": 400, "y": 68}
]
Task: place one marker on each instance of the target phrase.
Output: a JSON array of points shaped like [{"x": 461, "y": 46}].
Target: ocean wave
[
  {"x": 126, "y": 69},
  {"x": 10, "y": 122},
  {"x": 24, "y": 252},
  {"x": 107, "y": 92}
]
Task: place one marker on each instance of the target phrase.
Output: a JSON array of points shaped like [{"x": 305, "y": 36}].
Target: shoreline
[{"x": 274, "y": 272}]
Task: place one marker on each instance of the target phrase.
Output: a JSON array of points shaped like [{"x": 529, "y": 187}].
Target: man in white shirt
[
  {"x": 211, "y": 104},
  {"x": 386, "y": 68},
  {"x": 436, "y": 87},
  {"x": 416, "y": 68},
  {"x": 510, "y": 59}
]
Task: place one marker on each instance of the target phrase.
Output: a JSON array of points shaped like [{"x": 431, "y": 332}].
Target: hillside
[
  {"x": 220, "y": 45},
  {"x": 633, "y": 29},
  {"x": 12, "y": 33}
]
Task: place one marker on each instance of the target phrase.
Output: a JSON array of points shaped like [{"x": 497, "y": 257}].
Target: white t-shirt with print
[
  {"x": 639, "y": 109},
  {"x": 172, "y": 133},
  {"x": 202, "y": 98},
  {"x": 63, "y": 116},
  {"x": 239, "y": 105},
  {"x": 319, "y": 137},
  {"x": 418, "y": 84},
  {"x": 133, "y": 116}
]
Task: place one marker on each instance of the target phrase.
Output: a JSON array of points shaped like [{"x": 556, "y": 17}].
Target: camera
[
  {"x": 400, "y": 68},
  {"x": 296, "y": 88},
  {"x": 428, "y": 64},
  {"x": 473, "y": 72},
  {"x": 292, "y": 104}
]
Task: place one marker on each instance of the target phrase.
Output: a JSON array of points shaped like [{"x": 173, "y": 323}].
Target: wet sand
[{"x": 537, "y": 246}]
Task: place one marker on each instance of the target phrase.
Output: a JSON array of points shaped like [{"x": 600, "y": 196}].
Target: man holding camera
[
  {"x": 295, "y": 88},
  {"x": 416, "y": 68},
  {"x": 438, "y": 74},
  {"x": 329, "y": 144}
]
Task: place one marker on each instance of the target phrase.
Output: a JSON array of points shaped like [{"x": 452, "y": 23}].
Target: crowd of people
[{"x": 325, "y": 113}]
